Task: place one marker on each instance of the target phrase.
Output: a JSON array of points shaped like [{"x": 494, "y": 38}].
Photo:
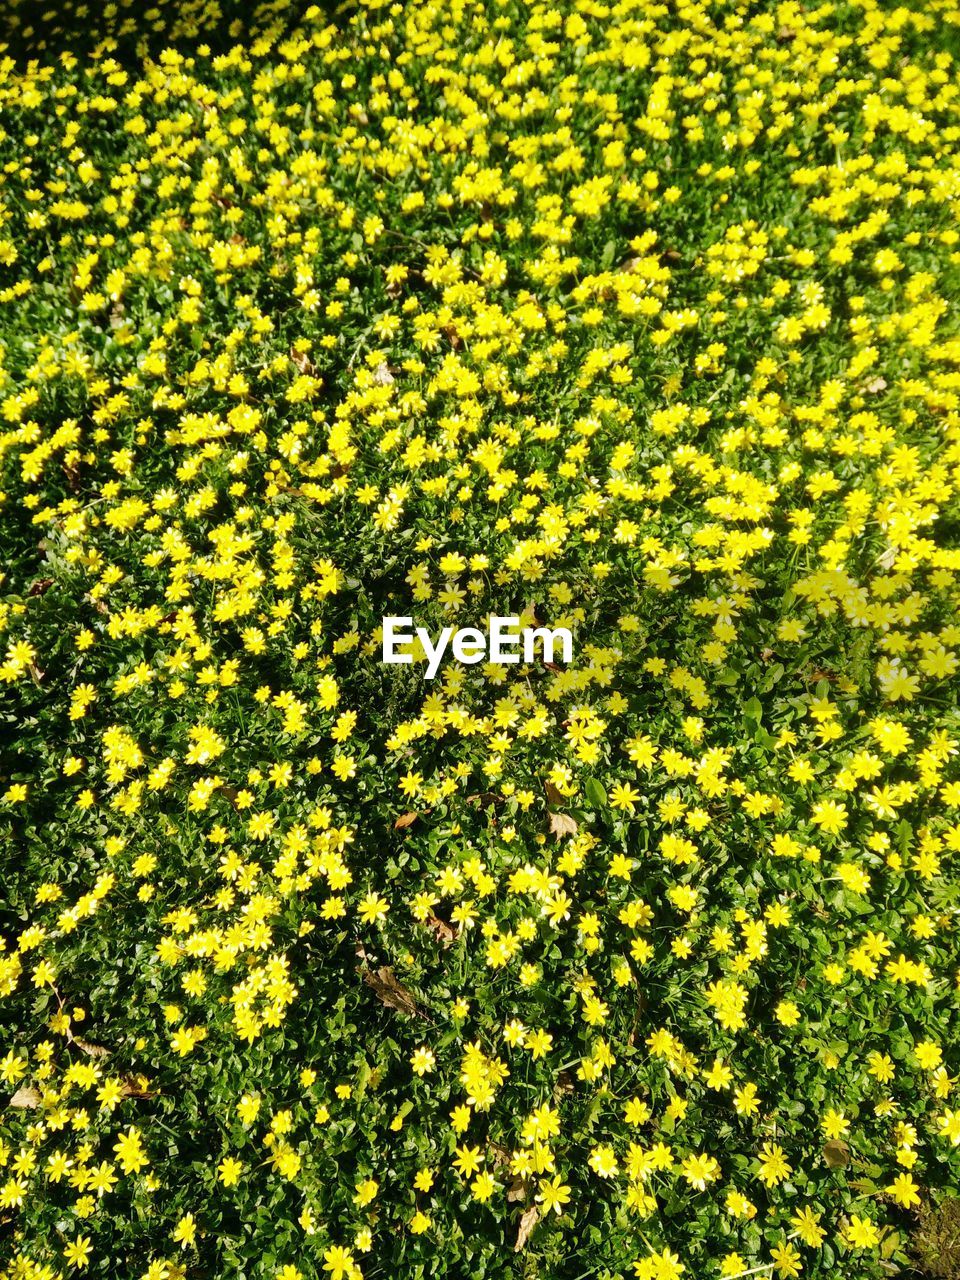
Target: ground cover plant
[{"x": 630, "y": 318}]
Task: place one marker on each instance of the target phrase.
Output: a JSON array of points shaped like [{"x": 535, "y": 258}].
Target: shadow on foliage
[{"x": 133, "y": 31}]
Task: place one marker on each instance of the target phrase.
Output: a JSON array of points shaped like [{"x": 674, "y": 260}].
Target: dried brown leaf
[
  {"x": 529, "y": 1220},
  {"x": 389, "y": 991},
  {"x": 231, "y": 794},
  {"x": 561, "y": 824},
  {"x": 554, "y": 795},
  {"x": 405, "y": 820},
  {"x": 137, "y": 1087},
  {"x": 92, "y": 1050},
  {"x": 302, "y": 361},
  {"x": 518, "y": 1190},
  {"x": 26, "y": 1097},
  {"x": 445, "y": 932},
  {"x": 836, "y": 1153},
  {"x": 485, "y": 799}
]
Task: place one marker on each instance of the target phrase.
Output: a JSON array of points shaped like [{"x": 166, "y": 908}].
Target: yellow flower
[
  {"x": 483, "y": 1186},
  {"x": 773, "y": 1165},
  {"x": 553, "y": 1194},
  {"x": 861, "y": 1232},
  {"x": 185, "y": 1232},
  {"x": 338, "y": 1262},
  {"x": 904, "y": 1190},
  {"x": 229, "y": 1171},
  {"x": 77, "y": 1253}
]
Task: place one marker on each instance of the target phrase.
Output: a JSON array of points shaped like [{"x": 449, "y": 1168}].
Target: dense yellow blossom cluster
[{"x": 623, "y": 317}]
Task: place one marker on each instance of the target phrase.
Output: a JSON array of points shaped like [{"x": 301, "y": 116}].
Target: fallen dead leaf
[
  {"x": 137, "y": 1087},
  {"x": 561, "y": 824},
  {"x": 518, "y": 1190},
  {"x": 231, "y": 794},
  {"x": 485, "y": 799},
  {"x": 405, "y": 820},
  {"x": 836, "y": 1153},
  {"x": 26, "y": 1097},
  {"x": 445, "y": 932},
  {"x": 93, "y": 1050},
  {"x": 499, "y": 1153},
  {"x": 389, "y": 991},
  {"x": 302, "y": 361},
  {"x": 529, "y": 1220}
]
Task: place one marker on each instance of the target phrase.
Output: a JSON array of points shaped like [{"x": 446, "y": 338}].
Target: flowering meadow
[{"x": 632, "y": 318}]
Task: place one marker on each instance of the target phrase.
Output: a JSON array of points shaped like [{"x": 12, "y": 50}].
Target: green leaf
[{"x": 596, "y": 793}]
